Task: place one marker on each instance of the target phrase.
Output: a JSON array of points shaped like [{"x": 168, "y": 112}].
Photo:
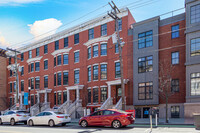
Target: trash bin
[{"x": 197, "y": 121}]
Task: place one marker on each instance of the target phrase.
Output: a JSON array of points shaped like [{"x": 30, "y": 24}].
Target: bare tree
[{"x": 165, "y": 78}]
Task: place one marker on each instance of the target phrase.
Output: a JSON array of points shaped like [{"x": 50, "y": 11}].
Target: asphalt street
[{"x": 74, "y": 128}]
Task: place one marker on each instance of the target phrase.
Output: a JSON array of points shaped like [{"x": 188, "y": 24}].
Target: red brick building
[{"x": 79, "y": 66}]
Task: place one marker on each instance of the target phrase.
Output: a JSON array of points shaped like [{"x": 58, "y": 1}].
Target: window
[
  {"x": 37, "y": 51},
  {"x": 116, "y": 48},
  {"x": 89, "y": 52},
  {"x": 89, "y": 95},
  {"x": 64, "y": 96},
  {"x": 59, "y": 98},
  {"x": 22, "y": 85},
  {"x": 119, "y": 25},
  {"x": 14, "y": 86},
  {"x": 103, "y": 71},
  {"x": 76, "y": 77},
  {"x": 32, "y": 67},
  {"x": 32, "y": 100},
  {"x": 66, "y": 43},
  {"x": 195, "y": 14},
  {"x": 32, "y": 83},
  {"x": 9, "y": 60},
  {"x": 89, "y": 73},
  {"x": 95, "y": 95},
  {"x": 37, "y": 66},
  {"x": 59, "y": 60},
  {"x": 195, "y": 84},
  {"x": 195, "y": 47},
  {"x": 36, "y": 99},
  {"x": 175, "y": 58},
  {"x": 54, "y": 98},
  {"x": 175, "y": 85},
  {"x": 91, "y": 33},
  {"x": 103, "y": 29},
  {"x": 65, "y": 59},
  {"x": 103, "y": 94},
  {"x": 45, "y": 64},
  {"x": 108, "y": 112},
  {"x": 95, "y": 51},
  {"x": 10, "y": 73},
  {"x": 22, "y": 56},
  {"x": 76, "y": 57},
  {"x": 59, "y": 75},
  {"x": 145, "y": 39},
  {"x": 10, "y": 87},
  {"x": 76, "y": 38},
  {"x": 145, "y": 91},
  {"x": 175, "y": 111},
  {"x": 117, "y": 70},
  {"x": 45, "y": 49},
  {"x": 54, "y": 79},
  {"x": 175, "y": 31},
  {"x": 104, "y": 49},
  {"x": 95, "y": 72},
  {"x": 54, "y": 61},
  {"x": 37, "y": 83},
  {"x": 45, "y": 81},
  {"x": 65, "y": 78},
  {"x": 145, "y": 64},
  {"x": 30, "y": 54},
  {"x": 22, "y": 71},
  {"x": 56, "y": 45},
  {"x": 29, "y": 68}
]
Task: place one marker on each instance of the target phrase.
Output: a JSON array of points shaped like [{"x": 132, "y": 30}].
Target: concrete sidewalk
[{"x": 143, "y": 121}]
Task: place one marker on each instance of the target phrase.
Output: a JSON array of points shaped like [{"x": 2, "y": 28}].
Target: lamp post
[{"x": 29, "y": 103}]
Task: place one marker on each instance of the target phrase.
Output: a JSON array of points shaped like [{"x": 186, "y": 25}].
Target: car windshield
[{"x": 58, "y": 113}]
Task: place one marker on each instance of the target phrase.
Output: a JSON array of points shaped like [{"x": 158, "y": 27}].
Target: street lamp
[{"x": 29, "y": 89}]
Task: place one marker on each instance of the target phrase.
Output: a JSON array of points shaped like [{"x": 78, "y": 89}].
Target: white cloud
[
  {"x": 3, "y": 42},
  {"x": 17, "y": 2},
  {"x": 44, "y": 28}
]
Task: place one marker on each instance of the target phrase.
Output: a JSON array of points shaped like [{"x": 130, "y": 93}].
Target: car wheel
[
  {"x": 51, "y": 123},
  {"x": 116, "y": 124},
  {"x": 30, "y": 123},
  {"x": 1, "y": 122},
  {"x": 12, "y": 121},
  {"x": 84, "y": 123}
]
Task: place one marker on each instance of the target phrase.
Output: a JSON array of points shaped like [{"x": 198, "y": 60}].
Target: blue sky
[{"x": 22, "y": 20}]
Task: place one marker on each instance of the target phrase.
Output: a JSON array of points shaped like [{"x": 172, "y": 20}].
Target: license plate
[
  {"x": 66, "y": 117},
  {"x": 24, "y": 115}
]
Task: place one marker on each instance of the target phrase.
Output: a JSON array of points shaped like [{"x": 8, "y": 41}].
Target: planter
[{"x": 197, "y": 121}]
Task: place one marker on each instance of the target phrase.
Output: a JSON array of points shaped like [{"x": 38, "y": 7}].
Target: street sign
[{"x": 25, "y": 98}]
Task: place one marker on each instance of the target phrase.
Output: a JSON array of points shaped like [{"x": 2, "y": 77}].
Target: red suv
[{"x": 108, "y": 117}]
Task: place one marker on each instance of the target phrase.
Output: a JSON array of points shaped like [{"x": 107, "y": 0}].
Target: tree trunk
[{"x": 166, "y": 117}]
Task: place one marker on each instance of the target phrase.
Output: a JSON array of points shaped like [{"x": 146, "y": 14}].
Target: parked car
[
  {"x": 108, "y": 117},
  {"x": 14, "y": 116},
  {"x": 50, "y": 118}
]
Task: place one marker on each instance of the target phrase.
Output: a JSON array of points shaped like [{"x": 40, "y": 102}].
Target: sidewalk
[{"x": 146, "y": 121}]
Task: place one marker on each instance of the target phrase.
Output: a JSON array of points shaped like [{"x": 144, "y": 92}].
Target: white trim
[
  {"x": 77, "y": 50},
  {"x": 74, "y": 87},
  {"x": 64, "y": 50},
  {"x": 104, "y": 86},
  {"x": 22, "y": 80},
  {"x": 65, "y": 53},
  {"x": 58, "y": 55},
  {"x": 117, "y": 61},
  {"x": 77, "y": 69},
  {"x": 45, "y": 75},
  {"x": 95, "y": 64},
  {"x": 32, "y": 60},
  {"x": 89, "y": 47},
  {"x": 64, "y": 90},
  {"x": 95, "y": 44},
  {"x": 45, "y": 59},
  {"x": 103, "y": 42},
  {"x": 54, "y": 91},
  {"x": 32, "y": 77},
  {"x": 65, "y": 71},
  {"x": 59, "y": 72},
  {"x": 37, "y": 61},
  {"x": 88, "y": 66},
  {"x": 89, "y": 88},
  {"x": 32, "y": 94},
  {"x": 59, "y": 91},
  {"x": 117, "y": 82},
  {"x": 95, "y": 87},
  {"x": 104, "y": 63},
  {"x": 37, "y": 77}
]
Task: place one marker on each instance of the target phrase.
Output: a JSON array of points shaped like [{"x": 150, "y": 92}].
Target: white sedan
[
  {"x": 14, "y": 116},
  {"x": 49, "y": 118}
]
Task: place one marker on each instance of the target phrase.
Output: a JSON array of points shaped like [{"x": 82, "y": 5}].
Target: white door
[
  {"x": 47, "y": 116},
  {"x": 38, "y": 119}
]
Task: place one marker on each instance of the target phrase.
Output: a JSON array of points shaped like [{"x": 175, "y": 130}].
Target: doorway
[
  {"x": 146, "y": 112},
  {"x": 118, "y": 92}
]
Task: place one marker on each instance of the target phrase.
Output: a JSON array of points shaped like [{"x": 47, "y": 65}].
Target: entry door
[
  {"x": 146, "y": 112},
  {"x": 118, "y": 92}
]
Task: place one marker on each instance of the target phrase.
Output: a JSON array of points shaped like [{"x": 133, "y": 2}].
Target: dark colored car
[{"x": 108, "y": 117}]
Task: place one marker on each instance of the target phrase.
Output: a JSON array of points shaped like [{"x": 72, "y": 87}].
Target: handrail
[
  {"x": 119, "y": 104},
  {"x": 107, "y": 103}
]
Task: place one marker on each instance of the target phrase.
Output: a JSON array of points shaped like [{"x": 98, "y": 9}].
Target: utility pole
[
  {"x": 120, "y": 45},
  {"x": 16, "y": 74}
]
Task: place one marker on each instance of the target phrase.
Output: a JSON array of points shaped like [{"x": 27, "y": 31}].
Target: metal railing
[{"x": 107, "y": 103}]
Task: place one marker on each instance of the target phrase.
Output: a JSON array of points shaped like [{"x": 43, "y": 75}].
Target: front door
[
  {"x": 146, "y": 112},
  {"x": 118, "y": 92}
]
